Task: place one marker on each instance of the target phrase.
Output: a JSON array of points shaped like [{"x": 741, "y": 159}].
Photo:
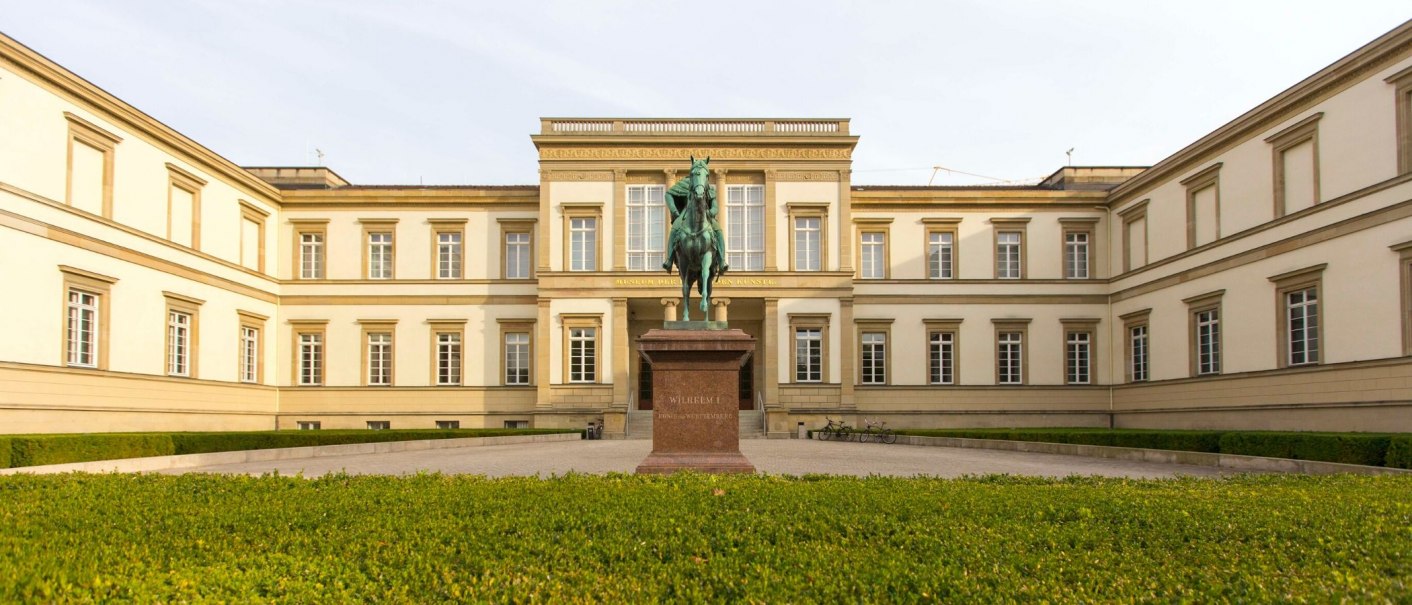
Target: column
[
  {"x": 718, "y": 309},
  {"x": 669, "y": 308}
]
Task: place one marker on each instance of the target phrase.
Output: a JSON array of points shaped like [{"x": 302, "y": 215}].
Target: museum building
[{"x": 1260, "y": 278}]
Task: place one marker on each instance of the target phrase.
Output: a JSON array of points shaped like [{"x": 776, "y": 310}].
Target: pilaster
[
  {"x": 846, "y": 362},
  {"x": 771, "y": 253},
  {"x": 845, "y": 222},
  {"x": 619, "y": 214}
]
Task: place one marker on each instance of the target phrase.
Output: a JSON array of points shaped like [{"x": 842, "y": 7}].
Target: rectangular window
[
  {"x": 874, "y": 345},
  {"x": 309, "y": 425},
  {"x": 1302, "y": 316},
  {"x": 1402, "y": 103},
  {"x": 941, "y": 358},
  {"x": 178, "y": 343},
  {"x": 379, "y": 425},
  {"x": 941, "y": 252},
  {"x": 311, "y": 358},
  {"x": 449, "y": 255},
  {"x": 583, "y": 244},
  {"x": 1296, "y": 165},
  {"x": 379, "y": 358},
  {"x": 448, "y": 425},
  {"x": 873, "y": 254},
  {"x": 311, "y": 255},
  {"x": 1203, "y": 206},
  {"x": 745, "y": 227},
  {"x": 1208, "y": 341},
  {"x": 1076, "y": 255},
  {"x": 83, "y": 320},
  {"x": 184, "y": 207},
  {"x": 517, "y": 358},
  {"x": 1009, "y": 352},
  {"x": 809, "y": 355},
  {"x": 1134, "y": 235},
  {"x": 1137, "y": 353},
  {"x": 249, "y": 354},
  {"x": 1078, "y": 357},
  {"x": 808, "y": 243},
  {"x": 380, "y": 255},
  {"x": 251, "y": 235},
  {"x": 516, "y": 424},
  {"x": 448, "y": 358},
  {"x": 90, "y": 183},
  {"x": 583, "y": 354},
  {"x": 1007, "y": 255},
  {"x": 647, "y": 221},
  {"x": 517, "y": 255}
]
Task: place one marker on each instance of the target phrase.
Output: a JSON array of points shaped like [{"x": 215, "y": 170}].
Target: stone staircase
[{"x": 639, "y": 424}]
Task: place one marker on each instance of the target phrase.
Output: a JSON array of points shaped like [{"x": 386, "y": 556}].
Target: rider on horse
[{"x": 677, "y": 198}]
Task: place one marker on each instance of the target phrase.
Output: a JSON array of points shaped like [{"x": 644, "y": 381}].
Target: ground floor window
[
  {"x": 517, "y": 358},
  {"x": 941, "y": 358},
  {"x": 249, "y": 354},
  {"x": 809, "y": 355},
  {"x": 82, "y": 338},
  {"x": 379, "y": 359},
  {"x": 583, "y": 354},
  {"x": 1208, "y": 342},
  {"x": 448, "y": 424},
  {"x": 874, "y": 358},
  {"x": 1078, "y": 353},
  {"x": 1137, "y": 356},
  {"x": 1302, "y": 313},
  {"x": 448, "y": 358},
  {"x": 311, "y": 358},
  {"x": 1009, "y": 351},
  {"x": 379, "y": 425}
]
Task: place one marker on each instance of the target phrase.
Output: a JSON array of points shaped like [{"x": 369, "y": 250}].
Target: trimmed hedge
[
  {"x": 35, "y": 450},
  {"x": 1369, "y": 449}
]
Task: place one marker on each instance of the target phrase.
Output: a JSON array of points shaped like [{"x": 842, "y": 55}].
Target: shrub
[
  {"x": 1348, "y": 448},
  {"x": 5, "y": 452},
  {"x": 60, "y": 449},
  {"x": 1399, "y": 452}
]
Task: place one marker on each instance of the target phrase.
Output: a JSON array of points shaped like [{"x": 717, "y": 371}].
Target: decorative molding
[
  {"x": 578, "y": 175},
  {"x": 676, "y": 153},
  {"x": 791, "y": 176}
]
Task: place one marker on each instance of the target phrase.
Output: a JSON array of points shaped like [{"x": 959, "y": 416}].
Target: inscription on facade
[{"x": 657, "y": 282}]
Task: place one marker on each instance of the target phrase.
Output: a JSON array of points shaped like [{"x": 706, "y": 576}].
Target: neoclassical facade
[{"x": 1259, "y": 278}]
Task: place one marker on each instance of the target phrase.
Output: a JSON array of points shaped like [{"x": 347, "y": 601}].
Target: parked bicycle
[
  {"x": 877, "y": 431},
  {"x": 836, "y": 431}
]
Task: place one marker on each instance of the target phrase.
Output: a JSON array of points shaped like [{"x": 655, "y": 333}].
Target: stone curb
[
  {"x": 1226, "y": 461},
  {"x": 157, "y": 463}
]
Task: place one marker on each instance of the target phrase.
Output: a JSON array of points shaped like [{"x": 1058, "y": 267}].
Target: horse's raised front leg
[{"x": 706, "y": 285}]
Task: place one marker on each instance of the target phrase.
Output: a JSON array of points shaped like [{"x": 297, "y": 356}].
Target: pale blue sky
[{"x": 449, "y": 92}]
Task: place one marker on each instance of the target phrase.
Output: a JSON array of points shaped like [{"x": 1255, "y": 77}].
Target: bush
[
  {"x": 1399, "y": 452},
  {"x": 1347, "y": 448},
  {"x": 60, "y": 449},
  {"x": 5, "y": 452}
]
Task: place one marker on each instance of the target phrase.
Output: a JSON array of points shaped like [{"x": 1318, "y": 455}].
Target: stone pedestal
[{"x": 695, "y": 403}]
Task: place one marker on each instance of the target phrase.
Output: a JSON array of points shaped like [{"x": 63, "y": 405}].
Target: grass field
[{"x": 702, "y": 538}]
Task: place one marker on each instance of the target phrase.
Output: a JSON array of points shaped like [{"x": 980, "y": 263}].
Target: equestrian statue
[{"x": 695, "y": 245}]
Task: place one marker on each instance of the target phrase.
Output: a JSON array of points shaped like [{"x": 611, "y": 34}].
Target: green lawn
[{"x": 692, "y": 537}]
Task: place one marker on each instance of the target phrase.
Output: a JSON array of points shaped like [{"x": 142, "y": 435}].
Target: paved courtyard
[{"x": 783, "y": 456}]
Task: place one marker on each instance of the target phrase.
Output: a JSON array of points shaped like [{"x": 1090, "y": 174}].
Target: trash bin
[{"x": 803, "y": 432}]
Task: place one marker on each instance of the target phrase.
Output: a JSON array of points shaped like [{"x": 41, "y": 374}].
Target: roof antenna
[
  {"x": 935, "y": 169},
  {"x": 1070, "y": 153},
  {"x": 320, "y": 153}
]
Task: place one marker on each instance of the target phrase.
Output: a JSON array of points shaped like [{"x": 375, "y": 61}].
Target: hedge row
[
  {"x": 80, "y": 538},
  {"x": 34, "y": 450},
  {"x": 1371, "y": 449}
]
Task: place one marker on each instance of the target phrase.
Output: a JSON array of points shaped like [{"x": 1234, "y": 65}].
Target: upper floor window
[
  {"x": 252, "y": 236},
  {"x": 1402, "y": 102},
  {"x": 379, "y": 358},
  {"x": 745, "y": 227},
  {"x": 1078, "y": 356},
  {"x": 808, "y": 355},
  {"x": 1137, "y": 353},
  {"x": 583, "y": 354},
  {"x": 1296, "y": 165},
  {"x": 178, "y": 343},
  {"x": 1300, "y": 321},
  {"x": 1203, "y": 206},
  {"x": 379, "y": 255},
  {"x": 583, "y": 243},
  {"x": 1208, "y": 341},
  {"x": 647, "y": 227},
  {"x": 872, "y": 254},
  {"x": 941, "y": 254},
  {"x": 1009, "y": 357},
  {"x": 448, "y": 358},
  {"x": 82, "y": 337},
  {"x": 874, "y": 349},
  {"x": 941, "y": 357},
  {"x": 808, "y": 243},
  {"x": 1076, "y": 254},
  {"x": 1134, "y": 236},
  {"x": 1007, "y": 255},
  {"x": 517, "y": 358},
  {"x": 517, "y": 255},
  {"x": 90, "y": 170},
  {"x": 184, "y": 207},
  {"x": 310, "y": 243},
  {"x": 449, "y": 254},
  {"x": 310, "y": 358},
  {"x": 249, "y": 354}
]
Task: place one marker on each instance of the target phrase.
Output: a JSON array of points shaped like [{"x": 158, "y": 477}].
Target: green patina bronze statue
[{"x": 695, "y": 245}]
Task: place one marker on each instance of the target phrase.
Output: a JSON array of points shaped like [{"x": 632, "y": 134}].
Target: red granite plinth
[{"x": 695, "y": 404}]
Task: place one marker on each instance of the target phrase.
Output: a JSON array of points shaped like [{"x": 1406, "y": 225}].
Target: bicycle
[
  {"x": 877, "y": 431},
  {"x": 837, "y": 431}
]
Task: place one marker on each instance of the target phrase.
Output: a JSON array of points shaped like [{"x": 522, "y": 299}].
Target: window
[
  {"x": 379, "y": 425},
  {"x": 181, "y": 334},
  {"x": 872, "y": 255},
  {"x": 310, "y": 358},
  {"x": 583, "y": 244},
  {"x": 378, "y": 235},
  {"x": 517, "y": 255},
  {"x": 309, "y": 240},
  {"x": 808, "y": 355},
  {"x": 252, "y": 236},
  {"x": 1404, "y": 250},
  {"x": 517, "y": 358},
  {"x": 449, "y": 253},
  {"x": 516, "y": 424},
  {"x": 745, "y": 227},
  {"x": 378, "y": 355},
  {"x": 1134, "y": 236},
  {"x": 583, "y": 351},
  {"x": 184, "y": 207},
  {"x": 252, "y": 325},
  {"x": 873, "y": 349},
  {"x": 309, "y": 425},
  {"x": 1078, "y": 246},
  {"x": 1208, "y": 342},
  {"x": 941, "y": 358},
  {"x": 448, "y": 358},
  {"x": 1007, "y": 255},
  {"x": 647, "y": 227},
  {"x": 1402, "y": 91},
  {"x": 1300, "y": 322},
  {"x": 90, "y": 167},
  {"x": 1136, "y": 346},
  {"x": 446, "y": 425},
  {"x": 83, "y": 324},
  {"x": 941, "y": 254},
  {"x": 1203, "y": 206},
  {"x": 1296, "y": 165},
  {"x": 1078, "y": 350},
  {"x": 808, "y": 243},
  {"x": 1009, "y": 350}
]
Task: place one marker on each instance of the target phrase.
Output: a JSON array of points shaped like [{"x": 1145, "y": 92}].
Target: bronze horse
[{"x": 695, "y": 244}]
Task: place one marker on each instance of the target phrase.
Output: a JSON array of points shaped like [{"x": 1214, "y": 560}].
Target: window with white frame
[
  {"x": 448, "y": 424},
  {"x": 178, "y": 343},
  {"x": 448, "y": 358},
  {"x": 517, "y": 358},
  {"x": 448, "y": 255},
  {"x": 745, "y": 227},
  {"x": 647, "y": 221},
  {"x": 1208, "y": 341},
  {"x": 1010, "y": 354},
  {"x": 941, "y": 249},
  {"x": 873, "y": 254},
  {"x": 1078, "y": 356},
  {"x": 379, "y": 359},
  {"x": 1007, "y": 255},
  {"x": 1076, "y": 255},
  {"x": 380, "y": 255},
  {"x": 808, "y": 243},
  {"x": 311, "y": 358},
  {"x": 1302, "y": 317},
  {"x": 309, "y": 425},
  {"x": 83, "y": 328},
  {"x": 874, "y": 347},
  {"x": 941, "y": 358},
  {"x": 311, "y": 256},
  {"x": 249, "y": 354},
  {"x": 583, "y": 353},
  {"x": 808, "y": 355},
  {"x": 379, "y": 425},
  {"x": 517, "y": 255},
  {"x": 1137, "y": 353},
  {"x": 583, "y": 243}
]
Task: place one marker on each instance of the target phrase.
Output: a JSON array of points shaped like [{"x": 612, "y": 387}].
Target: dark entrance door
[
  {"x": 747, "y": 384},
  {"x": 644, "y": 384}
]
